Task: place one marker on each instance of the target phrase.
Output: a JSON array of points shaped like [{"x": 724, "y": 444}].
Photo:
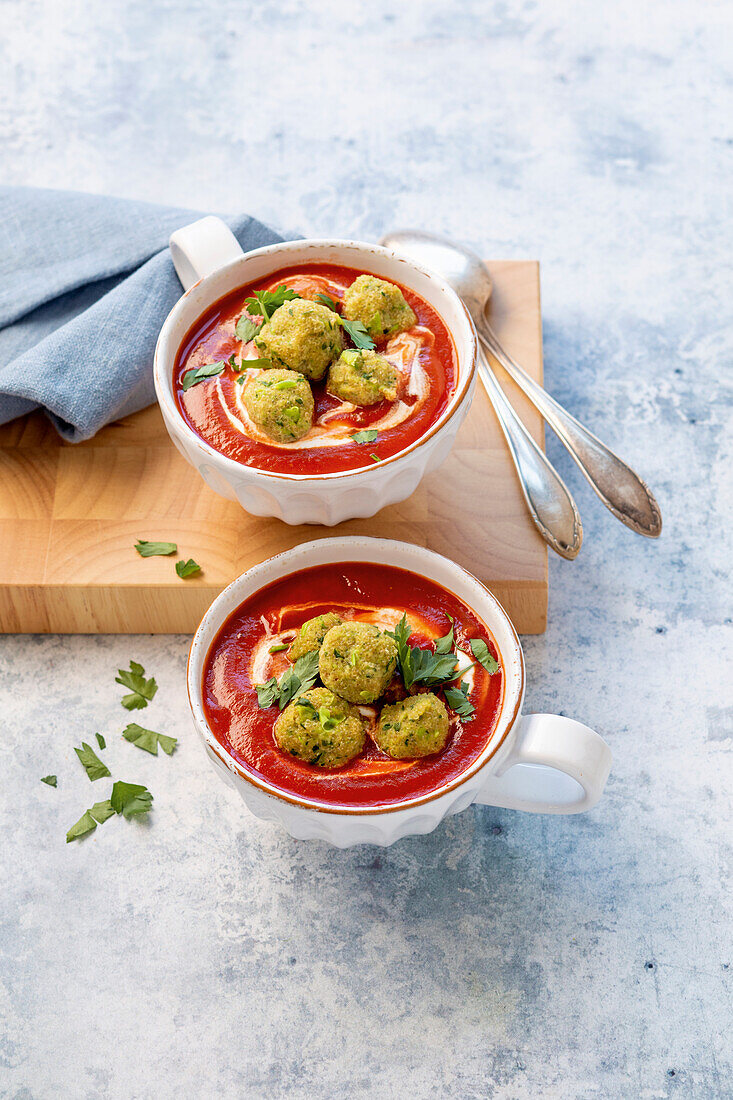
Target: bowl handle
[
  {"x": 556, "y": 766},
  {"x": 202, "y": 247}
]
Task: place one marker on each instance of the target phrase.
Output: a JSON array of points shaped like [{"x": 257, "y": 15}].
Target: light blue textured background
[{"x": 205, "y": 954}]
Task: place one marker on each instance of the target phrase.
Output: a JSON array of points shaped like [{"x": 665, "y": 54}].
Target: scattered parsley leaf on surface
[
  {"x": 200, "y": 374},
  {"x": 367, "y": 435},
  {"x": 458, "y": 701},
  {"x": 142, "y": 690},
  {"x": 129, "y": 799},
  {"x": 102, "y": 811},
  {"x": 445, "y": 644},
  {"x": 91, "y": 763},
  {"x": 326, "y": 300},
  {"x": 187, "y": 568},
  {"x": 246, "y": 328},
  {"x": 155, "y": 549},
  {"x": 86, "y": 824},
  {"x": 100, "y": 741},
  {"x": 265, "y": 302},
  {"x": 360, "y": 338},
  {"x": 375, "y": 458},
  {"x": 49, "y": 780},
  {"x": 149, "y": 739},
  {"x": 481, "y": 652}
]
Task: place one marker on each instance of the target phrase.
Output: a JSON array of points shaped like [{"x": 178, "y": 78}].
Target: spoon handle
[
  {"x": 550, "y": 504},
  {"x": 621, "y": 490}
]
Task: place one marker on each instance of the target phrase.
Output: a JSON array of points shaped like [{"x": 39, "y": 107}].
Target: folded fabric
[{"x": 86, "y": 283}]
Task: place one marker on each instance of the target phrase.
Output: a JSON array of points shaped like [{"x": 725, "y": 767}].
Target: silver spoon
[{"x": 621, "y": 490}]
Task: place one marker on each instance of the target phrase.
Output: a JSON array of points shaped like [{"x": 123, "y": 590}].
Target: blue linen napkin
[{"x": 86, "y": 282}]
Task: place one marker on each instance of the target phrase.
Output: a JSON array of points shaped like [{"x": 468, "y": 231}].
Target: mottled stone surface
[{"x": 205, "y": 954}]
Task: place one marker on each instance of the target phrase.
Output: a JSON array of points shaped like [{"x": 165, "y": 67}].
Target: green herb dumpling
[
  {"x": 311, "y": 634},
  {"x": 280, "y": 403},
  {"x": 379, "y": 305},
  {"x": 320, "y": 728},
  {"x": 363, "y": 378},
  {"x": 417, "y": 726},
  {"x": 302, "y": 336},
  {"x": 357, "y": 661}
]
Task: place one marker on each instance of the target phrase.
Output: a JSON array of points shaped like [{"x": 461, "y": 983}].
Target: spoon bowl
[
  {"x": 460, "y": 266},
  {"x": 622, "y": 491}
]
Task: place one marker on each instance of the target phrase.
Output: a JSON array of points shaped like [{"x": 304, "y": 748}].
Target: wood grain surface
[{"x": 70, "y": 514}]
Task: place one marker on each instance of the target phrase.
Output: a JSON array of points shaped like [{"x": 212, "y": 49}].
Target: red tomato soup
[
  {"x": 241, "y": 657},
  {"x": 423, "y": 357}
]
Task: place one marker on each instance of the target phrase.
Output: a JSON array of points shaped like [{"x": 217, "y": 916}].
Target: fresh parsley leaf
[
  {"x": 200, "y": 374},
  {"x": 367, "y": 435},
  {"x": 266, "y": 302},
  {"x": 301, "y": 677},
  {"x": 481, "y": 652},
  {"x": 445, "y": 644},
  {"x": 102, "y": 811},
  {"x": 267, "y": 694},
  {"x": 187, "y": 568},
  {"x": 142, "y": 690},
  {"x": 246, "y": 328},
  {"x": 358, "y": 333},
  {"x": 432, "y": 669},
  {"x": 421, "y": 666},
  {"x": 100, "y": 741},
  {"x": 129, "y": 799},
  {"x": 401, "y": 635},
  {"x": 149, "y": 739},
  {"x": 325, "y": 300},
  {"x": 458, "y": 701},
  {"x": 50, "y": 780},
  {"x": 154, "y": 549},
  {"x": 91, "y": 763},
  {"x": 86, "y": 824}
]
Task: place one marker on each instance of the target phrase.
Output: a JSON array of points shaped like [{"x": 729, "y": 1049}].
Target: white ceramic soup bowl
[
  {"x": 210, "y": 264},
  {"x": 542, "y": 763}
]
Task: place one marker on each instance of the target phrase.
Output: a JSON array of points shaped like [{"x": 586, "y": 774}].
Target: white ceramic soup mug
[
  {"x": 541, "y": 763},
  {"x": 210, "y": 263}
]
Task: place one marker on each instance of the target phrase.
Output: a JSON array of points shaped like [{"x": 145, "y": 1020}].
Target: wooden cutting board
[{"x": 70, "y": 514}]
